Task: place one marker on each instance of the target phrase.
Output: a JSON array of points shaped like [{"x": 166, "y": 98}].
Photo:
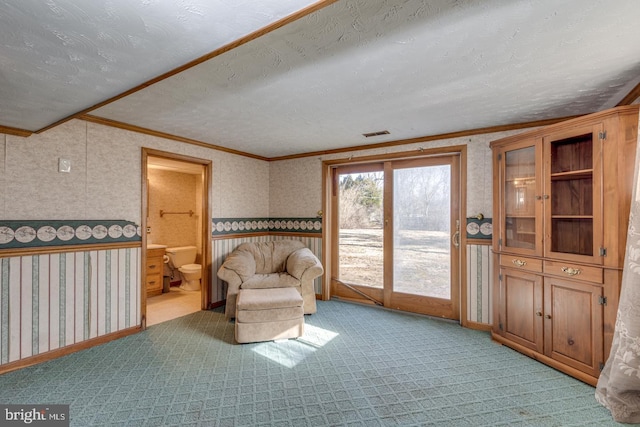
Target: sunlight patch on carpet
[{"x": 290, "y": 353}]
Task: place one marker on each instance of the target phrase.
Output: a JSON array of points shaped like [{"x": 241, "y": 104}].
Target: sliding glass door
[
  {"x": 359, "y": 192},
  {"x": 396, "y": 234}
]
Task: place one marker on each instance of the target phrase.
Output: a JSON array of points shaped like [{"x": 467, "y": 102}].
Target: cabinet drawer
[
  {"x": 154, "y": 266},
  {"x": 521, "y": 263},
  {"x": 573, "y": 271},
  {"x": 154, "y": 282}
]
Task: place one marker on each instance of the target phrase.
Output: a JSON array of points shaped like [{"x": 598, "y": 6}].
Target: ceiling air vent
[{"x": 370, "y": 134}]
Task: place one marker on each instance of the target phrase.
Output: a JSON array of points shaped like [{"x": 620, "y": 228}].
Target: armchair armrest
[
  {"x": 240, "y": 262},
  {"x": 303, "y": 262},
  {"x": 305, "y": 266},
  {"x": 236, "y": 268},
  {"x": 231, "y": 277}
]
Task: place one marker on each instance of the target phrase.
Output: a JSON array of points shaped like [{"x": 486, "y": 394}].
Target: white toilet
[{"x": 183, "y": 259}]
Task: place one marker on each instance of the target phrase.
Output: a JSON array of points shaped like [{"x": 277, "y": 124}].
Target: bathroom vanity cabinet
[
  {"x": 154, "y": 269},
  {"x": 562, "y": 195}
]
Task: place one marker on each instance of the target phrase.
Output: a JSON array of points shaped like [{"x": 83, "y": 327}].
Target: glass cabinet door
[
  {"x": 521, "y": 195},
  {"x": 572, "y": 195}
]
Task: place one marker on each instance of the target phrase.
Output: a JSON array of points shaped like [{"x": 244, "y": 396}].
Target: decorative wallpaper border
[
  {"x": 33, "y": 234},
  {"x": 226, "y": 226},
  {"x": 479, "y": 228}
]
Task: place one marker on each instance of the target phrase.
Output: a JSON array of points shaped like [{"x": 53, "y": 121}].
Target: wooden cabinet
[
  {"x": 561, "y": 206},
  {"x": 155, "y": 265}
]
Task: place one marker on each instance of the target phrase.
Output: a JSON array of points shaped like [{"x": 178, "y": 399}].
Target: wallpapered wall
[
  {"x": 106, "y": 173},
  {"x": 105, "y": 177},
  {"x": 51, "y": 301},
  {"x": 105, "y": 183}
]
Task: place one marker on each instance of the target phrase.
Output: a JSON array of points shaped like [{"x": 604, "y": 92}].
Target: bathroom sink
[{"x": 156, "y": 246}]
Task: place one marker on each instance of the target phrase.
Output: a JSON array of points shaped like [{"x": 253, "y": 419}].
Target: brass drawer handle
[
  {"x": 519, "y": 262},
  {"x": 571, "y": 271}
]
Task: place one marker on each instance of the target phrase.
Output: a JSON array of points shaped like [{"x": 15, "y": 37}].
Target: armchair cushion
[{"x": 273, "y": 280}]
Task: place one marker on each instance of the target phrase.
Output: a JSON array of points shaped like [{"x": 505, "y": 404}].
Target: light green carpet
[{"x": 355, "y": 366}]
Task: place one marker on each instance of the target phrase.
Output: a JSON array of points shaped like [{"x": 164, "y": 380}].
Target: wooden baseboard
[
  {"x": 586, "y": 378},
  {"x": 217, "y": 304},
  {"x": 63, "y": 351},
  {"x": 476, "y": 326}
]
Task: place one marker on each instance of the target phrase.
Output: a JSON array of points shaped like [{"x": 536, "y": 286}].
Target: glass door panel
[
  {"x": 360, "y": 237},
  {"x": 421, "y": 231},
  {"x": 520, "y": 198},
  {"x": 423, "y": 222}
]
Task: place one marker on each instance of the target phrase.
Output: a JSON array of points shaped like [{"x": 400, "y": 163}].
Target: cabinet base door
[
  {"x": 522, "y": 323},
  {"x": 573, "y": 324}
]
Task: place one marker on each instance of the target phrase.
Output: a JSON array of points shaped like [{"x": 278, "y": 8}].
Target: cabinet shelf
[
  {"x": 528, "y": 180},
  {"x": 571, "y": 216},
  {"x": 577, "y": 174}
]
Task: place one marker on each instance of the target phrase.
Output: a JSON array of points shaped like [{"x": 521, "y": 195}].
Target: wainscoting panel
[
  {"x": 222, "y": 247},
  {"x": 52, "y": 300},
  {"x": 479, "y": 277}
]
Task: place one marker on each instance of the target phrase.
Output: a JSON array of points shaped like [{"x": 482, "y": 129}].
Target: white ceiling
[{"x": 412, "y": 67}]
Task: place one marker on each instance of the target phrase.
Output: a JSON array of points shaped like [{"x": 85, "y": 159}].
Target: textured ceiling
[
  {"x": 412, "y": 67},
  {"x": 58, "y": 57}
]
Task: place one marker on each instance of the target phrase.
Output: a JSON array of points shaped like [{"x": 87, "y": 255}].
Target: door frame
[
  {"x": 205, "y": 226},
  {"x": 329, "y": 221}
]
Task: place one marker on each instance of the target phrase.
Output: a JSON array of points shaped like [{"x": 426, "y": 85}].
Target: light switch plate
[{"x": 64, "y": 165}]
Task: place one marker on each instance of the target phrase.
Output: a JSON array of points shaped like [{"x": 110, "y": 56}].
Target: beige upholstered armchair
[{"x": 276, "y": 264}]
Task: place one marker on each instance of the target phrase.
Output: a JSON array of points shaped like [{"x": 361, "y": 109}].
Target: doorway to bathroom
[{"x": 176, "y": 220}]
